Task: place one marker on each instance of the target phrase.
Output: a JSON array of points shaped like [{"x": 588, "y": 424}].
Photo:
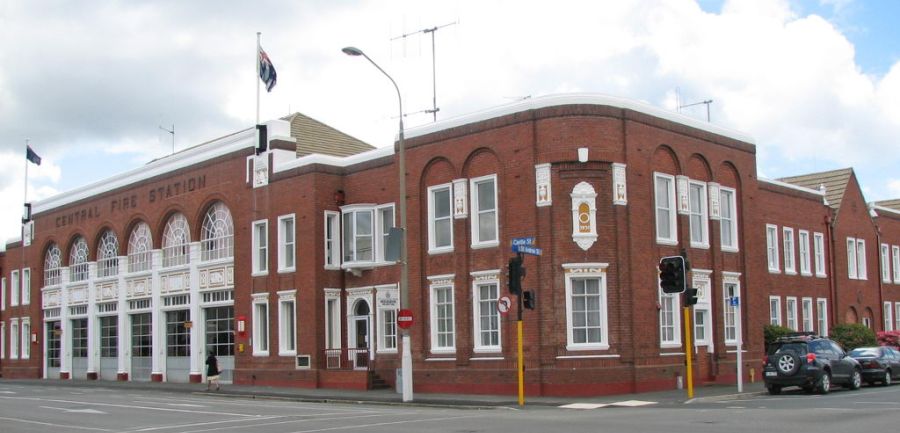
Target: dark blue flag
[
  {"x": 31, "y": 156},
  {"x": 266, "y": 70}
]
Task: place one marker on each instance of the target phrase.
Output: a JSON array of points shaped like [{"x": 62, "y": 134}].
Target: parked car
[
  {"x": 879, "y": 364},
  {"x": 811, "y": 362}
]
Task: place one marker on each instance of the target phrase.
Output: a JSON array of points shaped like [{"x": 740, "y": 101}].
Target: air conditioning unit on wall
[{"x": 303, "y": 362}]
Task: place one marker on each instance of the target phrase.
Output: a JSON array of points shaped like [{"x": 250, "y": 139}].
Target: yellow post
[
  {"x": 688, "y": 351},
  {"x": 521, "y": 366}
]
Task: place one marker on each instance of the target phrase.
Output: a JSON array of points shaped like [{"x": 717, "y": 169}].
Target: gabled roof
[
  {"x": 835, "y": 183},
  {"x": 890, "y": 204},
  {"x": 316, "y": 137}
]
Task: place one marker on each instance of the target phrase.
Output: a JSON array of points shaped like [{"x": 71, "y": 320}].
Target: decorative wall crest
[
  {"x": 684, "y": 203},
  {"x": 620, "y": 189},
  {"x": 261, "y": 170},
  {"x": 542, "y": 185},
  {"x": 584, "y": 215},
  {"x": 715, "y": 210},
  {"x": 460, "y": 198}
]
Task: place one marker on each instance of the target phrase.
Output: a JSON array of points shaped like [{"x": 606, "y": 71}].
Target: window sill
[
  {"x": 786, "y": 272},
  {"x": 821, "y": 276},
  {"x": 728, "y": 249},
  {"x": 436, "y": 251},
  {"x": 259, "y": 274},
  {"x": 487, "y": 358},
  {"x": 667, "y": 241},
  {"x": 702, "y": 246},
  {"x": 482, "y": 245},
  {"x": 288, "y": 353},
  {"x": 492, "y": 349},
  {"x": 670, "y": 346},
  {"x": 287, "y": 270},
  {"x": 266, "y": 353},
  {"x": 774, "y": 271},
  {"x": 584, "y": 347},
  {"x": 386, "y": 351},
  {"x": 443, "y": 351},
  {"x": 805, "y": 274}
]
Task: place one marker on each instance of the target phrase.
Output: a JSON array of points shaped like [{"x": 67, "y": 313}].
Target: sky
[{"x": 95, "y": 86}]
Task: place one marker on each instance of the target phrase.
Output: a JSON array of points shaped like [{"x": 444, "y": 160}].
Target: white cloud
[{"x": 102, "y": 77}]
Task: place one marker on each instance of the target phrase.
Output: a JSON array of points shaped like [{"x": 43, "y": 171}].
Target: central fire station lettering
[
  {"x": 78, "y": 216},
  {"x": 123, "y": 203},
  {"x": 175, "y": 189}
]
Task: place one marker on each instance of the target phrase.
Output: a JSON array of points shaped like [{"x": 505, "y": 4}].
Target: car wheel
[
  {"x": 774, "y": 389},
  {"x": 887, "y": 378},
  {"x": 855, "y": 380},
  {"x": 787, "y": 364},
  {"x": 824, "y": 383}
]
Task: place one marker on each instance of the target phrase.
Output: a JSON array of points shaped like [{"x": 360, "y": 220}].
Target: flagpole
[
  {"x": 26, "y": 176},
  {"x": 256, "y": 78}
]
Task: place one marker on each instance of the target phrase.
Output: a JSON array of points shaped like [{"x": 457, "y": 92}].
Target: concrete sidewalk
[{"x": 390, "y": 397}]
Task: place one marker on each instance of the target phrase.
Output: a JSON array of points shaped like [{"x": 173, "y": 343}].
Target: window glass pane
[
  {"x": 442, "y": 203},
  {"x": 487, "y": 226},
  {"x": 486, "y": 195},
  {"x": 442, "y": 233}
]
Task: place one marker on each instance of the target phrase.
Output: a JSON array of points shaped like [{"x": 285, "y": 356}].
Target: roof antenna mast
[
  {"x": 434, "y": 108},
  {"x": 172, "y": 131}
]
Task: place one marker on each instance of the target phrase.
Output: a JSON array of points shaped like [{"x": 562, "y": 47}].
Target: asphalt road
[{"x": 48, "y": 408}]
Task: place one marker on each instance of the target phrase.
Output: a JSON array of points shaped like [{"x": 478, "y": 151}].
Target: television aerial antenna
[{"x": 432, "y": 30}]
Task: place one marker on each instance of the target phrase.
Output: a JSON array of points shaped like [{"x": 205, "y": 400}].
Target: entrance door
[
  {"x": 141, "y": 347},
  {"x": 53, "y": 333},
  {"x": 359, "y": 349},
  {"x": 178, "y": 346},
  {"x": 79, "y": 348},
  {"x": 220, "y": 340},
  {"x": 109, "y": 348}
]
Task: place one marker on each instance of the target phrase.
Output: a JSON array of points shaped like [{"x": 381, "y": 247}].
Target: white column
[
  {"x": 122, "y": 345},
  {"x": 64, "y": 326},
  {"x": 159, "y": 338},
  {"x": 93, "y": 349},
  {"x": 197, "y": 350}
]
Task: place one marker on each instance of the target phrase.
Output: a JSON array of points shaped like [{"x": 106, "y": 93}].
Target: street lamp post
[{"x": 406, "y": 358}]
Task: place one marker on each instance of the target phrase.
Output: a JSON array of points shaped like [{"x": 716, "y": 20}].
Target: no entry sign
[{"x": 405, "y": 318}]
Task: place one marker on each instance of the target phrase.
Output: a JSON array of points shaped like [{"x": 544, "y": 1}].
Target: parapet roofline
[
  {"x": 194, "y": 155},
  {"x": 575, "y": 99},
  {"x": 792, "y": 186}
]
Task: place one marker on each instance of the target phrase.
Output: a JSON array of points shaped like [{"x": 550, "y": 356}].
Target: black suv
[{"x": 810, "y": 362}]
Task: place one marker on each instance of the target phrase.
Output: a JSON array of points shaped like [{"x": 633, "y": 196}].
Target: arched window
[
  {"x": 107, "y": 255},
  {"x": 217, "y": 234},
  {"x": 139, "y": 245},
  {"x": 52, "y": 264},
  {"x": 176, "y": 239},
  {"x": 78, "y": 260}
]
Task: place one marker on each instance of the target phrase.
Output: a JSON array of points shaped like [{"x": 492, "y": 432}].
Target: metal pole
[
  {"x": 433, "y": 76},
  {"x": 257, "y": 76},
  {"x": 520, "y": 365},
  {"x": 688, "y": 351},
  {"x": 740, "y": 341}
]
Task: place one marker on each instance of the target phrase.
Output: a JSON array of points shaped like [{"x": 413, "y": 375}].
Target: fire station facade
[{"x": 275, "y": 260}]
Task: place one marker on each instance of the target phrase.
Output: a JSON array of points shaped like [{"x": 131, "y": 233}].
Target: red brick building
[{"x": 277, "y": 262}]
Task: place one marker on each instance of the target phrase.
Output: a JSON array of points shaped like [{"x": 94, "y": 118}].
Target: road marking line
[
  {"x": 292, "y": 421},
  {"x": 174, "y": 426},
  {"x": 583, "y": 406},
  {"x": 633, "y": 403},
  {"x": 128, "y": 406},
  {"x": 364, "y": 426},
  {"x": 28, "y": 421}
]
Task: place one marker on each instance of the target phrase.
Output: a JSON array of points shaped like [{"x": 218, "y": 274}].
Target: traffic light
[
  {"x": 690, "y": 296},
  {"x": 671, "y": 274},
  {"x": 528, "y": 299},
  {"x": 516, "y": 273}
]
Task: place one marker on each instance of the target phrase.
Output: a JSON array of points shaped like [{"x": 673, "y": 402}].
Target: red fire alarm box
[{"x": 242, "y": 326}]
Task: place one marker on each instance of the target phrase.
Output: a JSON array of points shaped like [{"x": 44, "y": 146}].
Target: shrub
[
  {"x": 853, "y": 335},
  {"x": 773, "y": 332},
  {"x": 889, "y": 338}
]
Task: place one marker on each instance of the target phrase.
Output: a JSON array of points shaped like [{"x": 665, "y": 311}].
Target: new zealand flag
[{"x": 266, "y": 70}]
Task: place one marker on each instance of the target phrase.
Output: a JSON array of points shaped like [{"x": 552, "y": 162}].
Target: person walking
[{"x": 212, "y": 371}]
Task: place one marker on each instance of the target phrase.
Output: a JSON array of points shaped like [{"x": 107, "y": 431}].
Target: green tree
[{"x": 773, "y": 332}]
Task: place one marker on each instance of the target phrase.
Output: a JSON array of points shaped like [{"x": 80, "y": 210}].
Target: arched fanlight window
[
  {"x": 176, "y": 241},
  {"x": 139, "y": 246},
  {"x": 52, "y": 263},
  {"x": 78, "y": 260},
  {"x": 217, "y": 234},
  {"x": 108, "y": 255}
]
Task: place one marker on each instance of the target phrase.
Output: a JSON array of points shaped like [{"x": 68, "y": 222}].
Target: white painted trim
[
  {"x": 673, "y": 211},
  {"x": 281, "y": 243},
  {"x": 587, "y": 356},
  {"x": 792, "y": 186},
  {"x": 576, "y": 99},
  {"x": 475, "y": 218}
]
